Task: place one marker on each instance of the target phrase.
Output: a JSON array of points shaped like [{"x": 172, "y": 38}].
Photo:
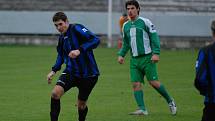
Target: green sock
[
  {"x": 164, "y": 93},
  {"x": 139, "y": 99}
]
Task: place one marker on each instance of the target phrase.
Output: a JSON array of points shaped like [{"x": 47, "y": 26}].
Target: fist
[
  {"x": 155, "y": 58},
  {"x": 121, "y": 60},
  {"x": 74, "y": 53}
]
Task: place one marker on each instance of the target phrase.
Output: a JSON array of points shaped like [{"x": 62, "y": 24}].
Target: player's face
[
  {"x": 132, "y": 11},
  {"x": 61, "y": 26}
]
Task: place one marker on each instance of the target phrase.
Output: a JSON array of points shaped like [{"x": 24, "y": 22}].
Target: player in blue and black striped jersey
[
  {"x": 205, "y": 77},
  {"x": 75, "y": 50}
]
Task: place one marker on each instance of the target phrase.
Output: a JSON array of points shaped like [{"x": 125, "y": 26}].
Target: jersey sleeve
[
  {"x": 88, "y": 40},
  {"x": 201, "y": 80},
  {"x": 153, "y": 36},
  {"x": 59, "y": 59},
  {"x": 125, "y": 45}
]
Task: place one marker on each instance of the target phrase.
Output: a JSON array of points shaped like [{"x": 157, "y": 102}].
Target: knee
[
  {"x": 57, "y": 92},
  {"x": 136, "y": 86},
  {"x": 55, "y": 95}
]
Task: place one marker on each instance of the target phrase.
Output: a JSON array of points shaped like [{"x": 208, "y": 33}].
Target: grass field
[{"x": 25, "y": 94}]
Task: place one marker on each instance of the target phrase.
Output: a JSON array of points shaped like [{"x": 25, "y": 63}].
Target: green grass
[{"x": 25, "y": 94}]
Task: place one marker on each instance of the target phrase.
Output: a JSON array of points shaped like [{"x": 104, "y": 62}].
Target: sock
[
  {"x": 139, "y": 99},
  {"x": 82, "y": 114},
  {"x": 164, "y": 93},
  {"x": 55, "y": 109}
]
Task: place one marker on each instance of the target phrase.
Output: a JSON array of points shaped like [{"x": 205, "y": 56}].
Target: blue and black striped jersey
[
  {"x": 205, "y": 73},
  {"x": 77, "y": 37}
]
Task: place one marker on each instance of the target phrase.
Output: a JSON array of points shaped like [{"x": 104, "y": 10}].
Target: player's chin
[{"x": 61, "y": 31}]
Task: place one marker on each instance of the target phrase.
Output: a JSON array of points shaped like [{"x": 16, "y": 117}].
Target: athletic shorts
[
  {"x": 84, "y": 85},
  {"x": 143, "y": 66},
  {"x": 209, "y": 112}
]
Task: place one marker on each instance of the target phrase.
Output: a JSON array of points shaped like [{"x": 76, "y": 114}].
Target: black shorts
[
  {"x": 84, "y": 85},
  {"x": 209, "y": 112}
]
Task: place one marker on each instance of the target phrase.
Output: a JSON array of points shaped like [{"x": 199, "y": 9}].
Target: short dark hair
[
  {"x": 213, "y": 26},
  {"x": 132, "y": 2},
  {"x": 59, "y": 16}
]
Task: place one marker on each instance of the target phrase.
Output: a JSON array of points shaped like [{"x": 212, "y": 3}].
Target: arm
[
  {"x": 58, "y": 63},
  {"x": 125, "y": 45},
  {"x": 88, "y": 40},
  {"x": 201, "y": 80},
  {"x": 57, "y": 66},
  {"x": 155, "y": 41}
]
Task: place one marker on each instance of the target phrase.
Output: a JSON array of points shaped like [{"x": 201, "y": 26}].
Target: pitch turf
[{"x": 25, "y": 94}]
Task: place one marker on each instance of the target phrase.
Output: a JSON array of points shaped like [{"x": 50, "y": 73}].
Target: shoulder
[
  {"x": 126, "y": 24},
  {"x": 145, "y": 20},
  {"x": 79, "y": 27},
  {"x": 204, "y": 50}
]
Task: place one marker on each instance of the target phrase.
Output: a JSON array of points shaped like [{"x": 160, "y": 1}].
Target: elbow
[{"x": 97, "y": 41}]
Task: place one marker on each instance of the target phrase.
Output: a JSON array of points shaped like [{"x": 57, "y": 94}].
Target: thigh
[
  {"x": 151, "y": 71},
  {"x": 85, "y": 86},
  {"x": 65, "y": 81},
  {"x": 136, "y": 74}
]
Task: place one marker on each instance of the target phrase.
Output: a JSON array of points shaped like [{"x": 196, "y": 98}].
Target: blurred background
[{"x": 181, "y": 24}]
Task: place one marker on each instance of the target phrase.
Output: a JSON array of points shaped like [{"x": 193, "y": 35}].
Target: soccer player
[
  {"x": 140, "y": 37},
  {"x": 75, "y": 50},
  {"x": 205, "y": 77}
]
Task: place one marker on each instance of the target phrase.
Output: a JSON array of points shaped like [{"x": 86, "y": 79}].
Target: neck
[
  {"x": 66, "y": 29},
  {"x": 134, "y": 18}
]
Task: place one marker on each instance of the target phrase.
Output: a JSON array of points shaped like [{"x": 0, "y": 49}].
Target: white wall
[{"x": 167, "y": 24}]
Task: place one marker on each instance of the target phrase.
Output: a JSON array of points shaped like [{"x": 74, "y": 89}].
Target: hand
[
  {"x": 74, "y": 53},
  {"x": 49, "y": 76},
  {"x": 121, "y": 60},
  {"x": 155, "y": 58}
]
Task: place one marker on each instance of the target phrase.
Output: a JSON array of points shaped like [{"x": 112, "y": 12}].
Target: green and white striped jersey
[{"x": 140, "y": 37}]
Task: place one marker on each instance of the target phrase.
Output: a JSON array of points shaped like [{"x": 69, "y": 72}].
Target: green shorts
[{"x": 141, "y": 66}]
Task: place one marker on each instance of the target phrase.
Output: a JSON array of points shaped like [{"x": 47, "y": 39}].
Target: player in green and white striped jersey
[{"x": 140, "y": 37}]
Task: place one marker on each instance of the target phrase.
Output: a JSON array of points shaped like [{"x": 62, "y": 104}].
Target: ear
[
  {"x": 138, "y": 11},
  {"x": 67, "y": 21}
]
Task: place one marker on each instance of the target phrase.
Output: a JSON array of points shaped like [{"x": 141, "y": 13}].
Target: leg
[
  {"x": 160, "y": 89},
  {"x": 208, "y": 112},
  {"x": 137, "y": 79},
  {"x": 57, "y": 92},
  {"x": 85, "y": 87},
  {"x": 138, "y": 94},
  {"x": 82, "y": 110},
  {"x": 152, "y": 77},
  {"x": 62, "y": 85}
]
